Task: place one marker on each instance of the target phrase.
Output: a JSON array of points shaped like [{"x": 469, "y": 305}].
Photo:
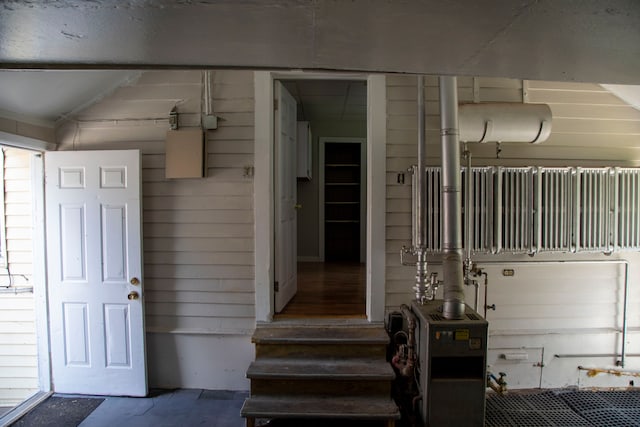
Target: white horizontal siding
[
  {"x": 198, "y": 233},
  {"x": 18, "y": 349},
  {"x": 591, "y": 127}
]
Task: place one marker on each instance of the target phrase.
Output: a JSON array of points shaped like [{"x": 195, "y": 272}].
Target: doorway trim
[
  {"x": 363, "y": 192},
  {"x": 264, "y": 188}
]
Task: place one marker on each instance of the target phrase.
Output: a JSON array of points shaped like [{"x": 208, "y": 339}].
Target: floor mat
[{"x": 59, "y": 411}]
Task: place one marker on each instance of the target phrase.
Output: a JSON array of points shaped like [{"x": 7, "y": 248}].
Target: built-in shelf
[
  {"x": 342, "y": 194},
  {"x": 341, "y": 183}
]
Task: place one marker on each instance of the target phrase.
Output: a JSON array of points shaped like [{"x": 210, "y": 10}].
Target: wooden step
[
  {"x": 355, "y": 408},
  {"x": 365, "y": 369},
  {"x": 298, "y": 341},
  {"x": 320, "y": 335}
]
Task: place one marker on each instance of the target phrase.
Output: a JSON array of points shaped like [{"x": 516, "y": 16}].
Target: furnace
[{"x": 452, "y": 366}]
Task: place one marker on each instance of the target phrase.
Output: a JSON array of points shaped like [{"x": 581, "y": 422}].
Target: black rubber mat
[{"x": 59, "y": 411}]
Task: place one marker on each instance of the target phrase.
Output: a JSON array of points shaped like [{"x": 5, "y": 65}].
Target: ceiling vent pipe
[
  {"x": 453, "y": 277},
  {"x": 504, "y": 121}
]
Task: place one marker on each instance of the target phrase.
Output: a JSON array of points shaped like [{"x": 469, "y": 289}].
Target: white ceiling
[
  {"x": 45, "y": 96},
  {"x": 329, "y": 100}
]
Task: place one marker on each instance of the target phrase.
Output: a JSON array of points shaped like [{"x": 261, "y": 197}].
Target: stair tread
[
  {"x": 283, "y": 368},
  {"x": 320, "y": 407},
  {"x": 320, "y": 335}
]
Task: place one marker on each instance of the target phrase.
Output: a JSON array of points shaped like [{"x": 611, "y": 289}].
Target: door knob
[
  {"x": 133, "y": 295},
  {"x": 134, "y": 281},
  {"x": 297, "y": 206}
]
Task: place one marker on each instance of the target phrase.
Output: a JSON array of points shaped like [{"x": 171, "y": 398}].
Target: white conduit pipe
[{"x": 453, "y": 277}]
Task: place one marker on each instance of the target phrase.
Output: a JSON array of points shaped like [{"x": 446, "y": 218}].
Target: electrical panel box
[{"x": 184, "y": 153}]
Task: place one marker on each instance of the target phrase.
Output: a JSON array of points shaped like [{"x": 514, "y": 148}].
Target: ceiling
[
  {"x": 329, "y": 100},
  {"x": 106, "y": 41},
  {"x": 571, "y": 40}
]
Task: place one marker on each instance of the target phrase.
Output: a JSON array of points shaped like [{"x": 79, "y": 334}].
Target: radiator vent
[
  {"x": 554, "y": 192},
  {"x": 539, "y": 209},
  {"x": 627, "y": 203},
  {"x": 433, "y": 220},
  {"x": 593, "y": 207},
  {"x": 482, "y": 190},
  {"x": 514, "y": 210}
]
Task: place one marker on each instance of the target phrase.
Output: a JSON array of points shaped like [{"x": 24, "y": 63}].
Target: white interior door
[
  {"x": 285, "y": 194},
  {"x": 95, "y": 272}
]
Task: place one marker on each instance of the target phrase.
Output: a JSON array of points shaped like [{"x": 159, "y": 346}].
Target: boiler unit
[{"x": 452, "y": 368}]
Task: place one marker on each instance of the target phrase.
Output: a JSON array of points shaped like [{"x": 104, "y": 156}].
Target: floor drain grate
[{"x": 609, "y": 418}]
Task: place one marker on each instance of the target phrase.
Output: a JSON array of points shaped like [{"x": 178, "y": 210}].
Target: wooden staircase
[{"x": 329, "y": 371}]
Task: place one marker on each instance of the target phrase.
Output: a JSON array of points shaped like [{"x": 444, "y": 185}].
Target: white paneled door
[
  {"x": 95, "y": 272},
  {"x": 286, "y": 241}
]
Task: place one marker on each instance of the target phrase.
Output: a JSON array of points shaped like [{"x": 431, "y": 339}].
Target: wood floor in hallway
[{"x": 328, "y": 289}]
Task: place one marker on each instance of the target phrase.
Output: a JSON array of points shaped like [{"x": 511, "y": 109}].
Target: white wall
[
  {"x": 18, "y": 350},
  {"x": 198, "y": 233},
  {"x": 545, "y": 309}
]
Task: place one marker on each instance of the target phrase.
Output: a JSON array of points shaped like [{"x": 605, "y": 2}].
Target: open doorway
[
  {"x": 331, "y": 198},
  {"x": 21, "y": 376}
]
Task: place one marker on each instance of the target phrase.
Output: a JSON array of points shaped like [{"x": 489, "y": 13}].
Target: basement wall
[
  {"x": 552, "y": 305},
  {"x": 198, "y": 233}
]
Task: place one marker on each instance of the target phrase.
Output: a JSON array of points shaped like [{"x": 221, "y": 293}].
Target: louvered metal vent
[
  {"x": 433, "y": 221},
  {"x": 482, "y": 190},
  {"x": 554, "y": 191},
  {"x": 593, "y": 210},
  {"x": 627, "y": 203},
  {"x": 537, "y": 209},
  {"x": 514, "y": 210}
]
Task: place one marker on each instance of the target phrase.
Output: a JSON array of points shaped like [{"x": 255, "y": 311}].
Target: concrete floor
[
  {"x": 169, "y": 409},
  {"x": 188, "y": 407}
]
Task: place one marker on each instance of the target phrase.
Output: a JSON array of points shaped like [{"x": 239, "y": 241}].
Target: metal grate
[
  {"x": 537, "y": 209},
  {"x": 481, "y": 210},
  {"x": 627, "y": 203},
  {"x": 609, "y": 418},
  {"x": 553, "y": 209},
  {"x": 433, "y": 220},
  {"x": 514, "y": 210},
  {"x": 593, "y": 210}
]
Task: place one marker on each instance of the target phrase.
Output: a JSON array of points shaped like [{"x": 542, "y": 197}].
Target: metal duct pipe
[
  {"x": 453, "y": 307},
  {"x": 504, "y": 121}
]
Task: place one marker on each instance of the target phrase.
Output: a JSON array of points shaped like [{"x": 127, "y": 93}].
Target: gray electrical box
[{"x": 453, "y": 366}]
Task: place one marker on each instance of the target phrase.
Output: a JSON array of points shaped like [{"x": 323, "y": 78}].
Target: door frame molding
[
  {"x": 264, "y": 188},
  {"x": 363, "y": 191}
]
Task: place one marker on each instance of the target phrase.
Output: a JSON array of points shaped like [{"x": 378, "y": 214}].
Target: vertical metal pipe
[
  {"x": 422, "y": 291},
  {"x": 625, "y": 308},
  {"x": 453, "y": 307}
]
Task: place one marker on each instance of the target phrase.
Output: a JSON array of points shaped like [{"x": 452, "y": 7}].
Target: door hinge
[
  {"x": 275, "y": 104},
  {"x": 276, "y": 286}
]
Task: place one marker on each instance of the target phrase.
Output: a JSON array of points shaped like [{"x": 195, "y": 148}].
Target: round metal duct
[{"x": 504, "y": 122}]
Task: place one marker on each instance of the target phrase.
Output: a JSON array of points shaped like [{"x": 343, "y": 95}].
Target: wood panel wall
[
  {"x": 198, "y": 233},
  {"x": 549, "y": 306}
]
